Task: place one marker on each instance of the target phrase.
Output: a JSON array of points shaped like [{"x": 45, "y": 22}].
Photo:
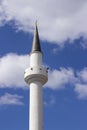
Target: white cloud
[
  {"x": 12, "y": 68},
  {"x": 9, "y": 99},
  {"x": 83, "y": 75},
  {"x": 59, "y": 78},
  {"x": 81, "y": 90},
  {"x": 57, "y": 19},
  {"x": 81, "y": 86}
]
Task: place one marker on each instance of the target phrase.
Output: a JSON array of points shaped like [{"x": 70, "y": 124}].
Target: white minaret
[{"x": 36, "y": 76}]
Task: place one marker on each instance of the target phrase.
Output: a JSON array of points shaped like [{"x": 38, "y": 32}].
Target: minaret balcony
[{"x": 36, "y": 74}]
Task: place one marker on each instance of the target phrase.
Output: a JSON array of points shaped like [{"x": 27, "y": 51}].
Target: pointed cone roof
[{"x": 36, "y": 41}]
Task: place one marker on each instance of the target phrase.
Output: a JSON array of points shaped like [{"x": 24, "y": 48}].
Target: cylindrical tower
[{"x": 36, "y": 76}]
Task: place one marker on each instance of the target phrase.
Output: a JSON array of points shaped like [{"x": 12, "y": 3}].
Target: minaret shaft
[
  {"x": 36, "y": 59},
  {"x": 36, "y": 76},
  {"x": 36, "y": 106}
]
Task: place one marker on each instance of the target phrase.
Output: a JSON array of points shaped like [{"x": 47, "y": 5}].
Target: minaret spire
[{"x": 36, "y": 42}]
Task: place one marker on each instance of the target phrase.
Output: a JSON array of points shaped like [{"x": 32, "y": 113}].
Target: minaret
[{"x": 36, "y": 76}]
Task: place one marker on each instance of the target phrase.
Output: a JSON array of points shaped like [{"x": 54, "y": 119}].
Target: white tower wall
[
  {"x": 36, "y": 106},
  {"x": 36, "y": 59}
]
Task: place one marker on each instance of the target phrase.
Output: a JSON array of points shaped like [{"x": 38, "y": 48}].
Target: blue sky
[{"x": 63, "y": 36}]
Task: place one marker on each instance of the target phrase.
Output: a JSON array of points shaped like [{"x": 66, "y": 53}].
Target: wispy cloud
[
  {"x": 82, "y": 75},
  {"x": 63, "y": 19},
  {"x": 58, "y": 79},
  {"x": 9, "y": 99},
  {"x": 81, "y": 86},
  {"x": 50, "y": 102}
]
